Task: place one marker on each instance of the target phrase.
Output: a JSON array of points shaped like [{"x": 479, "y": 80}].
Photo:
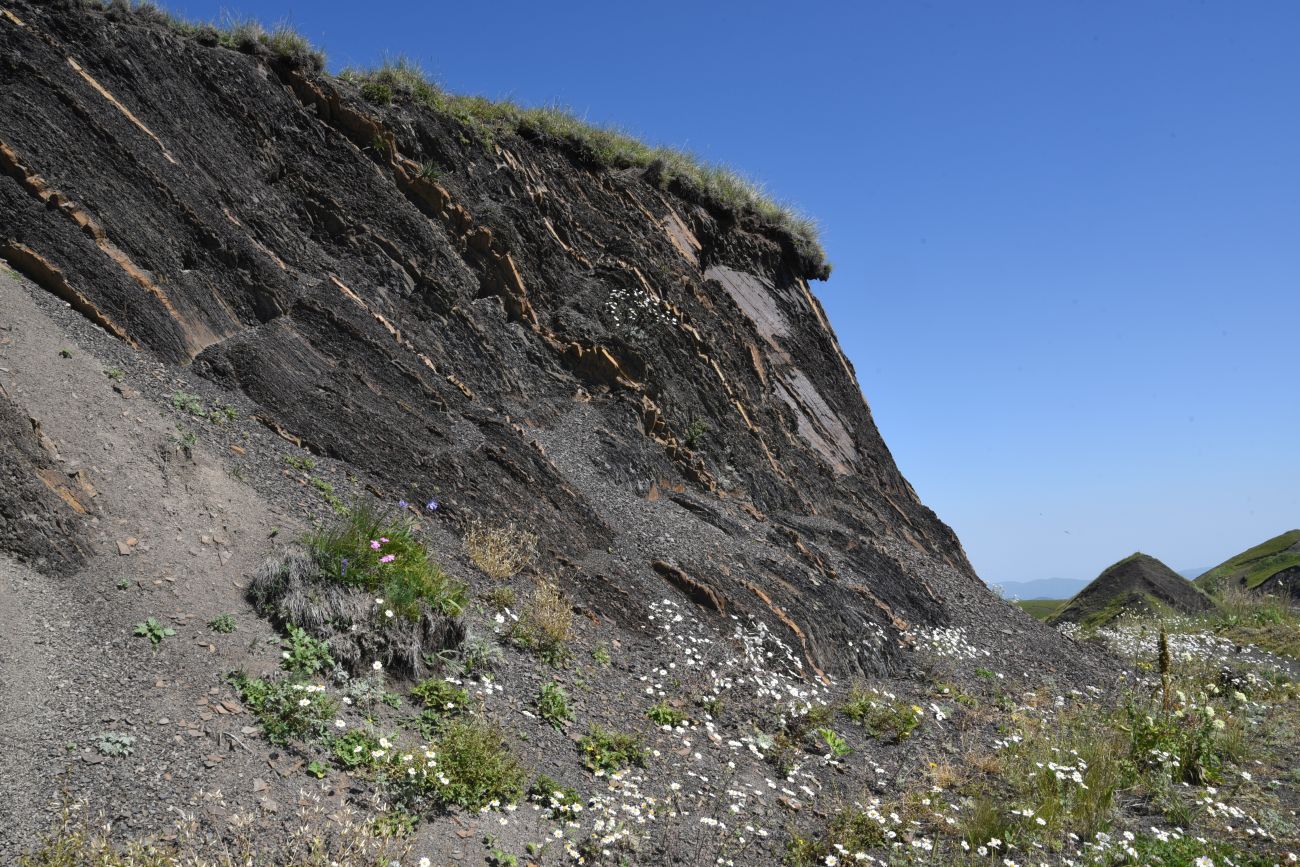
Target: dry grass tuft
[
  {"x": 500, "y": 552},
  {"x": 545, "y": 625}
]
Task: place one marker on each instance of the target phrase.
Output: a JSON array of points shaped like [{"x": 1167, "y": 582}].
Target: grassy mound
[{"x": 367, "y": 586}]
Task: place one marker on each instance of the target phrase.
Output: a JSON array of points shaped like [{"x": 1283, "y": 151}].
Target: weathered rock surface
[{"x": 648, "y": 384}]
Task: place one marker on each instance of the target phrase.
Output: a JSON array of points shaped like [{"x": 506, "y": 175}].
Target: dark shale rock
[{"x": 529, "y": 337}]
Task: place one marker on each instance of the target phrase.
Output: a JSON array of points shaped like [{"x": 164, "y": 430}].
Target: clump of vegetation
[
  {"x": 608, "y": 751},
  {"x": 367, "y": 585},
  {"x": 664, "y": 714},
  {"x": 553, "y": 705},
  {"x": 115, "y": 744},
  {"x": 357, "y": 748},
  {"x": 441, "y": 698},
  {"x": 187, "y": 402},
  {"x": 836, "y": 746},
  {"x": 288, "y": 709},
  {"x": 851, "y": 830},
  {"x": 472, "y": 767},
  {"x": 882, "y": 715},
  {"x": 153, "y": 629},
  {"x": 304, "y": 655},
  {"x": 562, "y": 802},
  {"x": 303, "y": 463},
  {"x": 223, "y": 623},
  {"x": 545, "y": 625},
  {"x": 499, "y": 552}
]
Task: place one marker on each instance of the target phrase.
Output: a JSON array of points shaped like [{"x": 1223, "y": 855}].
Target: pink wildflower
[
  {"x": 387, "y": 558},
  {"x": 374, "y": 545}
]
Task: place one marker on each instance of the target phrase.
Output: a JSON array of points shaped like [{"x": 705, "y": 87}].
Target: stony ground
[{"x": 179, "y": 524}]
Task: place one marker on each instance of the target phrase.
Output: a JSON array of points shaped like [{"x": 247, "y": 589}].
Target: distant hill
[
  {"x": 1041, "y": 588},
  {"x": 1271, "y": 564},
  {"x": 1040, "y": 609},
  {"x": 1138, "y": 583}
]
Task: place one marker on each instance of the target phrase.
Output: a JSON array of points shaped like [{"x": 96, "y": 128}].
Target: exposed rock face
[
  {"x": 1135, "y": 585},
  {"x": 42, "y": 506},
  {"x": 648, "y": 384}
]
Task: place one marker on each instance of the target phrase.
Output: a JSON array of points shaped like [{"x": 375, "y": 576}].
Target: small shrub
[
  {"x": 115, "y": 373},
  {"x": 662, "y": 714},
  {"x": 115, "y": 744},
  {"x": 300, "y": 462},
  {"x": 545, "y": 625},
  {"x": 553, "y": 705},
  {"x": 223, "y": 623},
  {"x": 304, "y": 655},
  {"x": 153, "y": 630},
  {"x": 288, "y": 710},
  {"x": 601, "y": 655},
  {"x": 499, "y": 552},
  {"x": 607, "y": 751}
]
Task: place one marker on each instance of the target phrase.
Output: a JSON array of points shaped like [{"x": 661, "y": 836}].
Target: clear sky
[{"x": 1066, "y": 235}]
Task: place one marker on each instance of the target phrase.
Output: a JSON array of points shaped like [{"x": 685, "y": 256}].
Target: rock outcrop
[{"x": 642, "y": 378}]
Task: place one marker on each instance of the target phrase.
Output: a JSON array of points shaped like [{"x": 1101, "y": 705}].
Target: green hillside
[
  {"x": 1137, "y": 585},
  {"x": 1039, "y": 609},
  {"x": 1254, "y": 566}
]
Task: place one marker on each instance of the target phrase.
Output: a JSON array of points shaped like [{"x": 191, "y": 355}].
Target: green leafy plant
[
  {"x": 474, "y": 768},
  {"x": 356, "y": 748},
  {"x": 317, "y": 769},
  {"x": 223, "y": 623},
  {"x": 836, "y": 746},
  {"x": 663, "y": 714},
  {"x": 304, "y": 655},
  {"x": 300, "y": 462},
  {"x": 189, "y": 403},
  {"x": 288, "y": 709},
  {"x": 553, "y": 705},
  {"x": 115, "y": 744},
  {"x": 882, "y": 716},
  {"x": 115, "y": 373},
  {"x": 608, "y": 751},
  {"x": 562, "y": 802},
  {"x": 601, "y": 655},
  {"x": 441, "y": 698},
  {"x": 153, "y": 630},
  {"x": 695, "y": 432}
]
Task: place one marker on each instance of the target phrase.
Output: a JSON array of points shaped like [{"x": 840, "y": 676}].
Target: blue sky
[{"x": 1066, "y": 235}]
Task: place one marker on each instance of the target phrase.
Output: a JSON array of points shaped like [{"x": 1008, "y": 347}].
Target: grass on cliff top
[
  {"x": 1254, "y": 566},
  {"x": 402, "y": 79},
  {"x": 607, "y": 146}
]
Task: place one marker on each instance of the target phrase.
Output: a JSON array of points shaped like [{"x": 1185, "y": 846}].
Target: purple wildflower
[
  {"x": 374, "y": 544},
  {"x": 432, "y": 505},
  {"x": 402, "y": 504},
  {"x": 387, "y": 558}
]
